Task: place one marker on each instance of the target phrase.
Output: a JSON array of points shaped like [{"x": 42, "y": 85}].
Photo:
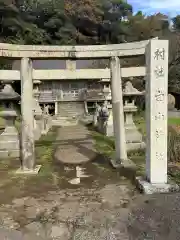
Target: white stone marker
[
  {"x": 156, "y": 111},
  {"x": 27, "y": 128},
  {"x": 156, "y": 119},
  {"x": 118, "y": 113}
]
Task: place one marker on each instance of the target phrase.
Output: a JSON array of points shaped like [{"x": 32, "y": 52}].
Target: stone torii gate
[{"x": 156, "y": 72}]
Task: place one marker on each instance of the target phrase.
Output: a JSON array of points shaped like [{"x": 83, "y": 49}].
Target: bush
[{"x": 173, "y": 144}]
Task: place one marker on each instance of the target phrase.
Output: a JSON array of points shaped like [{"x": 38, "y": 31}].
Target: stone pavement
[
  {"x": 71, "y": 214},
  {"x": 75, "y": 145},
  {"x": 109, "y": 213},
  {"x": 155, "y": 217}
]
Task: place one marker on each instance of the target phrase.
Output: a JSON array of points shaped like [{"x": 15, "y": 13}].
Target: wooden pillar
[
  {"x": 27, "y": 128},
  {"x": 118, "y": 112}
]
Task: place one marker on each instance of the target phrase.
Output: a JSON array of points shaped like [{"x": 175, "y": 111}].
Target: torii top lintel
[{"x": 72, "y": 52}]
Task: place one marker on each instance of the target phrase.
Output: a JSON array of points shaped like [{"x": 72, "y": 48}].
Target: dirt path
[
  {"x": 103, "y": 206},
  {"x": 54, "y": 209},
  {"x": 75, "y": 145}
]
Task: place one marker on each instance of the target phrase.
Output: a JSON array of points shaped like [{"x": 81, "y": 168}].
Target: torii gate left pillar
[{"x": 27, "y": 125}]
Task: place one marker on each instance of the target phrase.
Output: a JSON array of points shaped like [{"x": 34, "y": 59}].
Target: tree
[{"x": 176, "y": 23}]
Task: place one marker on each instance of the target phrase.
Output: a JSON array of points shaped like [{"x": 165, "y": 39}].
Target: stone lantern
[
  {"x": 38, "y": 115},
  {"x": 133, "y": 136},
  {"x": 36, "y": 107},
  {"x": 106, "y": 92},
  {"x": 9, "y": 139}
]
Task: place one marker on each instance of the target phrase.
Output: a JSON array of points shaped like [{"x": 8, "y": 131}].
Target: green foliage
[
  {"x": 176, "y": 22},
  {"x": 173, "y": 145}
]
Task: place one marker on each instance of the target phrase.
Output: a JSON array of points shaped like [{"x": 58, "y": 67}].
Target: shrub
[{"x": 173, "y": 144}]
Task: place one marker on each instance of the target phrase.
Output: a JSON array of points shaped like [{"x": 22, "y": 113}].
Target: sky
[{"x": 169, "y": 7}]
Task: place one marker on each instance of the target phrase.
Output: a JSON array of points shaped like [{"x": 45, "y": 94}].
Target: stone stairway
[
  {"x": 69, "y": 114},
  {"x": 64, "y": 121},
  {"x": 69, "y": 109}
]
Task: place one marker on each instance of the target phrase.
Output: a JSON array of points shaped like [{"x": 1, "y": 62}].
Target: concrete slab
[
  {"x": 149, "y": 188},
  {"x": 29, "y": 171}
]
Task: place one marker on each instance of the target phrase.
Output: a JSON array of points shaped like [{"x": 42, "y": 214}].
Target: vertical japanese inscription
[
  {"x": 159, "y": 57},
  {"x": 159, "y": 54},
  {"x": 156, "y": 111}
]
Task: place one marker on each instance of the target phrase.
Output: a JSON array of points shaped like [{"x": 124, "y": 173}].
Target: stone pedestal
[
  {"x": 9, "y": 139},
  {"x": 37, "y": 126},
  {"x": 95, "y": 120},
  {"x": 46, "y": 124},
  {"x": 133, "y": 136}
]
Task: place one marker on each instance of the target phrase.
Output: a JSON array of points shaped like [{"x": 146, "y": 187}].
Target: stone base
[
  {"x": 110, "y": 131},
  {"x": 135, "y": 146},
  {"x": 132, "y": 134},
  {"x": 34, "y": 171},
  {"x": 123, "y": 163},
  {"x": 149, "y": 188}
]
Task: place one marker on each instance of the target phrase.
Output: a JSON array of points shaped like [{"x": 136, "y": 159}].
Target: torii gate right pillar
[{"x": 120, "y": 158}]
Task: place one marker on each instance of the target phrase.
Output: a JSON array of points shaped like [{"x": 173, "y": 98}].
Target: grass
[
  {"x": 103, "y": 144},
  {"x": 44, "y": 152},
  {"x": 174, "y": 121},
  {"x": 21, "y": 185}
]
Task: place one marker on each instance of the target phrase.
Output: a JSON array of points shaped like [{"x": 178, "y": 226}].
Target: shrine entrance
[{"x": 155, "y": 72}]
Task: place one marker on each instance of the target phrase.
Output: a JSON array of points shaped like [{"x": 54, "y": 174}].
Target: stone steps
[
  {"x": 64, "y": 122},
  {"x": 70, "y": 109}
]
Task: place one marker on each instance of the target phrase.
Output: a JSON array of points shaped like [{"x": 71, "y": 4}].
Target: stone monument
[
  {"x": 9, "y": 139},
  {"x": 133, "y": 136},
  {"x": 156, "y": 179}
]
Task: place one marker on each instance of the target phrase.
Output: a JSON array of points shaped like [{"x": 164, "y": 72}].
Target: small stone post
[
  {"x": 56, "y": 108},
  {"x": 27, "y": 126},
  {"x": 118, "y": 113},
  {"x": 156, "y": 117}
]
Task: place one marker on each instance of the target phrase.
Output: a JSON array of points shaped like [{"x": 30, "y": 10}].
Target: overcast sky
[{"x": 170, "y": 7}]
